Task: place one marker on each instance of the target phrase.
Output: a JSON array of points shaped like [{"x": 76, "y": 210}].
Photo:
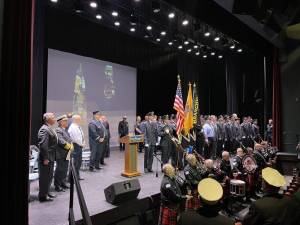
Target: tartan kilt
[
  {"x": 167, "y": 216},
  {"x": 194, "y": 203}
]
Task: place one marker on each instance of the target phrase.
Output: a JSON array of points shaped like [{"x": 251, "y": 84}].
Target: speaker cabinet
[{"x": 122, "y": 191}]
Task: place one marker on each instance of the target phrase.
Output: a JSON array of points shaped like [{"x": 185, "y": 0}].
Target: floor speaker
[{"x": 122, "y": 191}]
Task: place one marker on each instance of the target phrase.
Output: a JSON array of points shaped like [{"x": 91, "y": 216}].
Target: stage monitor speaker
[{"x": 122, "y": 191}]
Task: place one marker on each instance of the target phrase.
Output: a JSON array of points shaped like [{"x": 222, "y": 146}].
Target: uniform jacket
[
  {"x": 165, "y": 138},
  {"x": 192, "y": 175},
  {"x": 123, "y": 128},
  {"x": 96, "y": 131},
  {"x": 151, "y": 133},
  {"x": 63, "y": 139},
  {"x": 170, "y": 192},
  {"x": 47, "y": 143}
]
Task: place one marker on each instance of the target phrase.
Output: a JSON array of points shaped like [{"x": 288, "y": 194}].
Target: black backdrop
[{"x": 157, "y": 68}]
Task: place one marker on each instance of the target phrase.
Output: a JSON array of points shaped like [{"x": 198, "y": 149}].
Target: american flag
[{"x": 178, "y": 106}]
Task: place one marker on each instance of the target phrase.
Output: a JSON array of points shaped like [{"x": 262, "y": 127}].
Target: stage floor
[{"x": 93, "y": 185}]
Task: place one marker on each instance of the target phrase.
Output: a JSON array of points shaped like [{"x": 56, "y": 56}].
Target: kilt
[
  {"x": 194, "y": 203},
  {"x": 168, "y": 216}
]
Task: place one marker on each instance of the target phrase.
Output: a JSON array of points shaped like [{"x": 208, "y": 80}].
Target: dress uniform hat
[
  {"x": 273, "y": 177},
  {"x": 63, "y": 117},
  {"x": 210, "y": 190},
  {"x": 150, "y": 113},
  {"x": 97, "y": 112}
]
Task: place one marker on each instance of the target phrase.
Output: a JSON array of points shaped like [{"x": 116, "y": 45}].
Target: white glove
[
  {"x": 157, "y": 144},
  {"x": 146, "y": 145},
  {"x": 167, "y": 131}
]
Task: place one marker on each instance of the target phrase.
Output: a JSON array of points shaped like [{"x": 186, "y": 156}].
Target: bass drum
[{"x": 249, "y": 163}]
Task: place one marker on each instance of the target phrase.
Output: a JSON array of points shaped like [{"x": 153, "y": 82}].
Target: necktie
[{"x": 82, "y": 137}]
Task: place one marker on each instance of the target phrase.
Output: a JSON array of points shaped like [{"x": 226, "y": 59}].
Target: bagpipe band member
[
  {"x": 171, "y": 197},
  {"x": 192, "y": 173}
]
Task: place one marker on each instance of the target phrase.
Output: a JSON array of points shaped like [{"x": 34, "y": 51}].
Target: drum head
[{"x": 249, "y": 163}]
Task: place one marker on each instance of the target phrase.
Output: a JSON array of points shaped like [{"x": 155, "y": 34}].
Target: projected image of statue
[
  {"x": 109, "y": 88},
  {"x": 79, "y": 104}
]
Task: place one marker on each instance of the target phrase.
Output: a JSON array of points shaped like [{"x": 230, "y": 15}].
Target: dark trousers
[
  {"x": 220, "y": 147},
  {"x": 122, "y": 146},
  {"x": 165, "y": 153},
  {"x": 211, "y": 148},
  {"x": 61, "y": 172},
  {"x": 148, "y": 157},
  {"x": 103, "y": 148},
  {"x": 95, "y": 154},
  {"x": 45, "y": 178},
  {"x": 107, "y": 150},
  {"x": 77, "y": 158}
]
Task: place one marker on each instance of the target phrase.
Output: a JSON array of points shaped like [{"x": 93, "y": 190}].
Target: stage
[{"x": 93, "y": 185}]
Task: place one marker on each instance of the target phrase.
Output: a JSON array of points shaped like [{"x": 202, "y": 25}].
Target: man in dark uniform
[
  {"x": 165, "y": 133},
  {"x": 171, "y": 197},
  {"x": 272, "y": 208},
  {"x": 105, "y": 136},
  {"x": 107, "y": 146},
  {"x": 151, "y": 141},
  {"x": 210, "y": 192},
  {"x": 220, "y": 135},
  {"x": 96, "y": 140},
  {"x": 228, "y": 135},
  {"x": 47, "y": 143},
  {"x": 225, "y": 165},
  {"x": 123, "y": 130},
  {"x": 64, "y": 146},
  {"x": 193, "y": 175},
  {"x": 255, "y": 129},
  {"x": 237, "y": 161}
]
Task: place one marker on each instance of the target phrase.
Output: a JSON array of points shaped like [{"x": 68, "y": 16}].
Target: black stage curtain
[
  {"x": 276, "y": 101},
  {"x": 15, "y": 88}
]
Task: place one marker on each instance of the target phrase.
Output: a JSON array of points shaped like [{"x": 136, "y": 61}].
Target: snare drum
[{"x": 237, "y": 188}]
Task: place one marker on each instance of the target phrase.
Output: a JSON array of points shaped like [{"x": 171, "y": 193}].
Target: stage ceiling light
[
  {"x": 54, "y": 1},
  {"x": 186, "y": 42},
  {"x": 98, "y": 16},
  {"x": 220, "y": 56},
  {"x": 239, "y": 50},
  {"x": 195, "y": 46},
  {"x": 93, "y": 4},
  {"x": 185, "y": 22},
  {"x": 158, "y": 39},
  {"x": 217, "y": 39},
  {"x": 132, "y": 29},
  {"x": 171, "y": 15},
  {"x": 189, "y": 50},
  {"x": 114, "y": 14},
  {"x": 132, "y": 19},
  {"x": 117, "y": 23},
  {"x": 180, "y": 47},
  {"x": 149, "y": 27},
  {"x": 156, "y": 6},
  {"x": 212, "y": 53},
  {"x": 146, "y": 36},
  {"x": 205, "y": 56},
  {"x": 170, "y": 43},
  {"x": 207, "y": 34},
  {"x": 232, "y": 46},
  {"x": 197, "y": 53},
  {"x": 163, "y": 33}
]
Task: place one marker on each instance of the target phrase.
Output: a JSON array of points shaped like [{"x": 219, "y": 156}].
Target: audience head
[
  {"x": 49, "y": 118},
  {"x": 209, "y": 163},
  {"x": 270, "y": 121},
  {"x": 138, "y": 119},
  {"x": 191, "y": 159},
  {"x": 96, "y": 115},
  {"x": 146, "y": 117},
  {"x": 169, "y": 170},
  {"x": 225, "y": 156},
  {"x": 62, "y": 121},
  {"x": 124, "y": 118},
  {"x": 240, "y": 152}
]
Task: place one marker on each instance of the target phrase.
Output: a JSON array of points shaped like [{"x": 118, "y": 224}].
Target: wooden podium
[{"x": 131, "y": 155}]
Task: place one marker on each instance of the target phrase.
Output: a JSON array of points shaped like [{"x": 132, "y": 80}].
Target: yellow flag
[{"x": 188, "y": 119}]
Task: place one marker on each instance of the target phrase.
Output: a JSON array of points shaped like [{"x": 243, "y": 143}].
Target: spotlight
[
  {"x": 232, "y": 46},
  {"x": 205, "y": 56},
  {"x": 146, "y": 36},
  {"x": 197, "y": 53},
  {"x": 54, "y": 1},
  {"x": 180, "y": 47},
  {"x": 171, "y": 15},
  {"x": 185, "y": 22},
  {"x": 220, "y": 56},
  {"x": 98, "y": 16},
  {"x": 114, "y": 14},
  {"x": 117, "y": 23},
  {"x": 149, "y": 27},
  {"x": 195, "y": 46},
  {"x": 207, "y": 34},
  {"x": 132, "y": 19},
  {"x": 212, "y": 53},
  {"x": 132, "y": 29},
  {"x": 155, "y": 6},
  {"x": 239, "y": 50},
  {"x": 189, "y": 50},
  {"x": 163, "y": 33},
  {"x": 217, "y": 39},
  {"x": 186, "y": 42},
  {"x": 158, "y": 39},
  {"x": 137, "y": 0},
  {"x": 93, "y": 4},
  {"x": 170, "y": 43}
]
